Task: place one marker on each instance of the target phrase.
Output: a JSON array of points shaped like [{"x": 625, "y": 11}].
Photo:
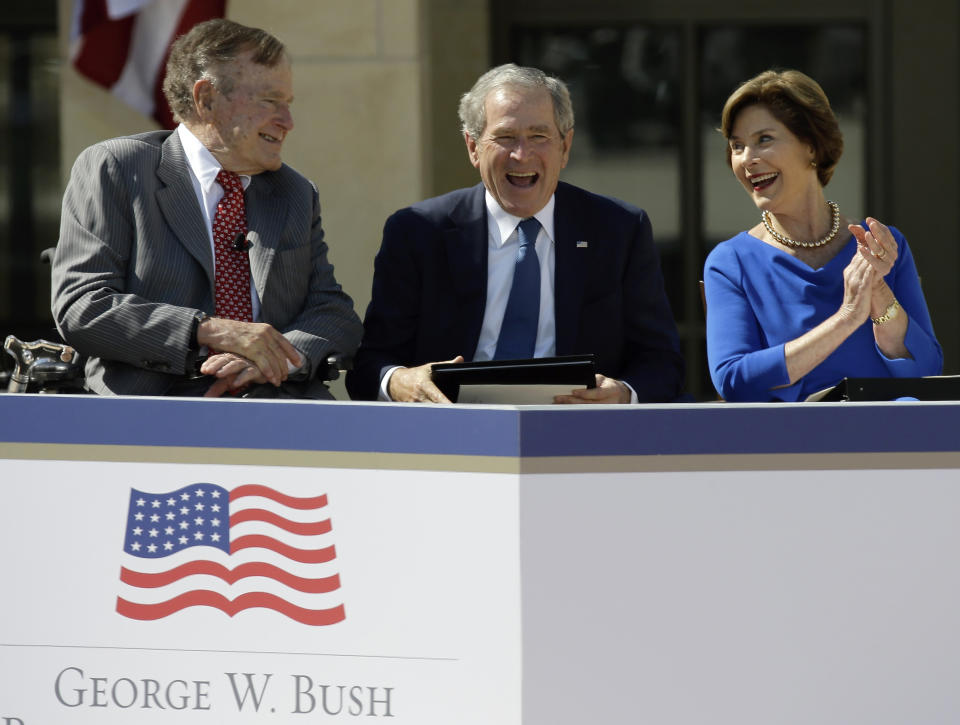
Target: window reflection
[
  {"x": 626, "y": 95},
  {"x": 30, "y": 185}
]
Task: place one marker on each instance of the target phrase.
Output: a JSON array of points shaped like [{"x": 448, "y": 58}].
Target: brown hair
[
  {"x": 205, "y": 51},
  {"x": 799, "y": 103}
]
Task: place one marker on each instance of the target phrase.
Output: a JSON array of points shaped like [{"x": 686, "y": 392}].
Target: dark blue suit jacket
[{"x": 430, "y": 287}]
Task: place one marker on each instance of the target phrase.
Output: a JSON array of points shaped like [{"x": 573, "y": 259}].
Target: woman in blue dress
[{"x": 807, "y": 296}]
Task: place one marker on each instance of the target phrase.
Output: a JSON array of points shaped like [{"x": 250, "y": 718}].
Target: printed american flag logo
[{"x": 205, "y": 546}]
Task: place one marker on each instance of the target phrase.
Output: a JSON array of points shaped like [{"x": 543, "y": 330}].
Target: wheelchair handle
[{"x": 39, "y": 361}]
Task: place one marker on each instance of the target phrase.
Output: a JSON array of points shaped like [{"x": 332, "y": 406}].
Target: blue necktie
[{"x": 518, "y": 333}]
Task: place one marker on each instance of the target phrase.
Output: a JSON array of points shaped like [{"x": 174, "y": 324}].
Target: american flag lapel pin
[{"x": 582, "y": 244}]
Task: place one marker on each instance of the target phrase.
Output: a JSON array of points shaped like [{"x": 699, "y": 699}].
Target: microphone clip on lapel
[{"x": 241, "y": 243}]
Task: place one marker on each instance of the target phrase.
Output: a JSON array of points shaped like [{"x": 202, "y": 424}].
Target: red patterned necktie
[{"x": 232, "y": 265}]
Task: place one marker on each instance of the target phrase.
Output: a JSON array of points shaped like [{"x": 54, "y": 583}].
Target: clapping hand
[{"x": 877, "y": 246}]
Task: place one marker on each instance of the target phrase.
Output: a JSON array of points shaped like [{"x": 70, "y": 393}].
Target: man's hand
[
  {"x": 608, "y": 391},
  {"x": 232, "y": 372},
  {"x": 415, "y": 385},
  {"x": 261, "y": 344}
]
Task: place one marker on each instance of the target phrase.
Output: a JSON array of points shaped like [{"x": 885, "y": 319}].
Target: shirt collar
[
  {"x": 202, "y": 163},
  {"x": 506, "y": 223}
]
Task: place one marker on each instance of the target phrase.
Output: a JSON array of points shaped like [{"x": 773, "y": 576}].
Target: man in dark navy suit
[{"x": 447, "y": 281}]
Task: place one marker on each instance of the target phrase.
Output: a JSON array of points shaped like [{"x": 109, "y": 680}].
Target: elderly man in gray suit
[{"x": 192, "y": 262}]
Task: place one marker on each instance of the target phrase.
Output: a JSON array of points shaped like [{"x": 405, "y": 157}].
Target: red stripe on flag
[
  {"x": 144, "y": 580},
  {"x": 93, "y": 13},
  {"x": 304, "y": 556},
  {"x": 295, "y": 503},
  {"x": 315, "y": 617},
  {"x": 104, "y": 51},
  {"x": 303, "y": 528}
]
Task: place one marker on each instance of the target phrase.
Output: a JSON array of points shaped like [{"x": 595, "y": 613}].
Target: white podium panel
[
  {"x": 407, "y": 609},
  {"x": 788, "y": 597}
]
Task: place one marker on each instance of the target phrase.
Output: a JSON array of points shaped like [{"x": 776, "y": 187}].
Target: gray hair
[
  {"x": 206, "y": 52},
  {"x": 473, "y": 111}
]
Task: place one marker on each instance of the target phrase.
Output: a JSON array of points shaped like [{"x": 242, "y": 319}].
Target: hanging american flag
[
  {"x": 123, "y": 45},
  {"x": 250, "y": 547}
]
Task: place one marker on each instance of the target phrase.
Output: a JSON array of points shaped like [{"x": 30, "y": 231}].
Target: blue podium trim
[
  {"x": 704, "y": 429},
  {"x": 711, "y": 429},
  {"x": 254, "y": 424}
]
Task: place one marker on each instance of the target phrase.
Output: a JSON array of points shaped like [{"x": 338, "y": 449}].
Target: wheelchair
[{"x": 49, "y": 367}]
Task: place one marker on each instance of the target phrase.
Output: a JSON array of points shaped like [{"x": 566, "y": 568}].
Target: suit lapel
[
  {"x": 266, "y": 213},
  {"x": 466, "y": 245},
  {"x": 178, "y": 203},
  {"x": 569, "y": 274}
]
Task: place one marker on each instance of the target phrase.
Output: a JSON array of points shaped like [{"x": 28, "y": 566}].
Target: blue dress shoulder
[{"x": 759, "y": 298}]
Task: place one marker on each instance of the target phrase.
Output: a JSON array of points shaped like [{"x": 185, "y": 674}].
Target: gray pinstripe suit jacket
[{"x": 133, "y": 265}]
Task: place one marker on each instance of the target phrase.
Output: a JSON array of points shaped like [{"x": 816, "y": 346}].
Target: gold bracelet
[{"x": 892, "y": 311}]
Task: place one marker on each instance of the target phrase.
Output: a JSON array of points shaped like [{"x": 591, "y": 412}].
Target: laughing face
[
  {"x": 245, "y": 129},
  {"x": 521, "y": 150},
  {"x": 773, "y": 165}
]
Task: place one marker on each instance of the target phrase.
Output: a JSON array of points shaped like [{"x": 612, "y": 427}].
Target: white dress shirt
[{"x": 503, "y": 243}]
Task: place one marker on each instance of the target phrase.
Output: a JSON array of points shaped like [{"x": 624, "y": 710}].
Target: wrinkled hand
[
  {"x": 232, "y": 372},
  {"x": 415, "y": 385},
  {"x": 877, "y": 246},
  {"x": 859, "y": 278},
  {"x": 261, "y": 344},
  {"x": 608, "y": 390}
]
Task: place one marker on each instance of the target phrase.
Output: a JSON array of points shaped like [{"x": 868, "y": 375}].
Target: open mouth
[
  {"x": 271, "y": 139},
  {"x": 523, "y": 179},
  {"x": 762, "y": 181}
]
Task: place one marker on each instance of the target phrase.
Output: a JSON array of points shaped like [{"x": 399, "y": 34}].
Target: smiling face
[
  {"x": 521, "y": 150},
  {"x": 774, "y": 166},
  {"x": 245, "y": 128}
]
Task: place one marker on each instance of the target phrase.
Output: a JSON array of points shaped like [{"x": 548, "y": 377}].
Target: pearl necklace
[{"x": 834, "y": 228}]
